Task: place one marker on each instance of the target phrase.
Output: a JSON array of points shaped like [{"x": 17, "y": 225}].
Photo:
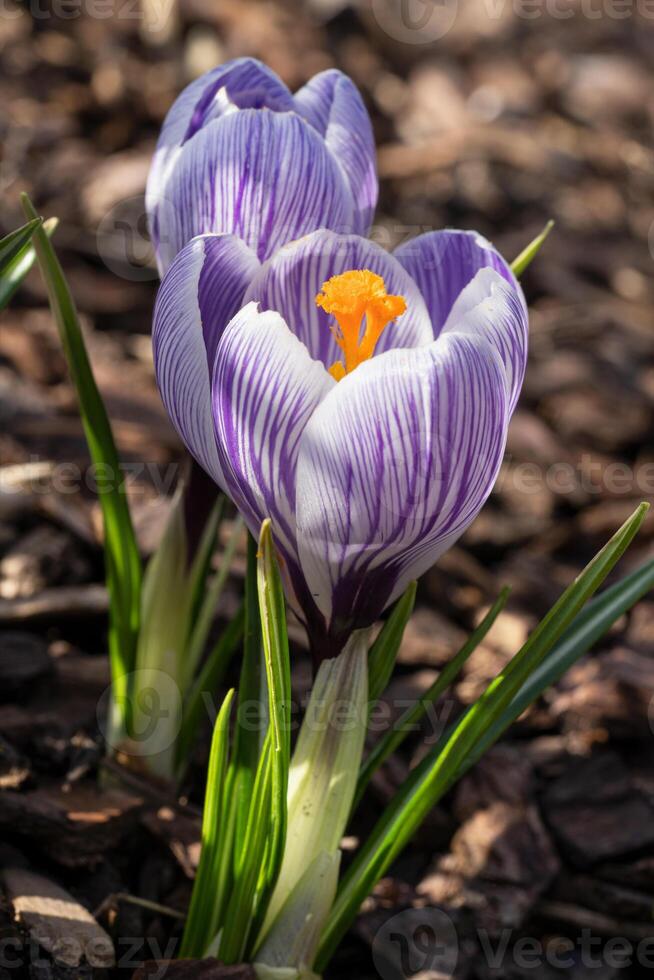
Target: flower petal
[
  {"x": 448, "y": 267},
  {"x": 444, "y": 262},
  {"x": 290, "y": 280},
  {"x": 244, "y": 83},
  {"x": 201, "y": 292},
  {"x": 491, "y": 308},
  {"x": 265, "y": 388},
  {"x": 393, "y": 466},
  {"x": 333, "y": 105},
  {"x": 264, "y": 176},
  {"x": 238, "y": 84}
]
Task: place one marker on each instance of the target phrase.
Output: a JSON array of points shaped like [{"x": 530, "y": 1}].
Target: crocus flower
[
  {"x": 358, "y": 399},
  {"x": 239, "y": 153}
]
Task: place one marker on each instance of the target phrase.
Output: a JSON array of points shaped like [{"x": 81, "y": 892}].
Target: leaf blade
[
  {"x": 411, "y": 717},
  {"x": 212, "y": 672},
  {"x": 201, "y": 922},
  {"x": 386, "y": 647},
  {"x": 122, "y": 559},
  {"x": 585, "y": 630},
  {"x": 14, "y": 273},
  {"x": 14, "y": 243},
  {"x": 274, "y": 633},
  {"x": 436, "y": 773},
  {"x": 528, "y": 254}
]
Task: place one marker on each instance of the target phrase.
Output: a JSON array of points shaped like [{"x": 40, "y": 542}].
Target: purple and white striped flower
[
  {"x": 368, "y": 422},
  {"x": 238, "y": 153}
]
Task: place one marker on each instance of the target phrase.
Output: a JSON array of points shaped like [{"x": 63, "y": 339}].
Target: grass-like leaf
[
  {"x": 293, "y": 941},
  {"x": 248, "y": 737},
  {"x": 588, "y": 627},
  {"x": 323, "y": 772},
  {"x": 384, "y": 651},
  {"x": 201, "y": 564},
  {"x": 212, "y": 594},
  {"x": 15, "y": 271},
  {"x": 14, "y": 243},
  {"x": 123, "y": 563},
  {"x": 251, "y": 854},
  {"x": 272, "y": 610},
  {"x": 211, "y": 674},
  {"x": 203, "y": 916},
  {"x": 259, "y": 841},
  {"x": 412, "y": 716},
  {"x": 528, "y": 254},
  {"x": 441, "y": 766}
]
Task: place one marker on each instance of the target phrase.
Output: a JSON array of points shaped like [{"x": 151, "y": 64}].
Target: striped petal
[
  {"x": 244, "y": 83},
  {"x": 264, "y": 176},
  {"x": 393, "y": 466},
  {"x": 491, "y": 308},
  {"x": 458, "y": 271},
  {"x": 444, "y": 262},
  {"x": 265, "y": 388},
  {"x": 199, "y": 295},
  {"x": 289, "y": 281},
  {"x": 332, "y": 104}
]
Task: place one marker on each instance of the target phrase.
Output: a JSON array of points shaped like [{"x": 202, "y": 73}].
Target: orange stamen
[{"x": 349, "y": 297}]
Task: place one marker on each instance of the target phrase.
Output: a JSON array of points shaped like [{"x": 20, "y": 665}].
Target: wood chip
[
  {"x": 181, "y": 833},
  {"x": 63, "y": 927},
  {"x": 67, "y": 602},
  {"x": 597, "y": 813},
  {"x": 75, "y": 827}
]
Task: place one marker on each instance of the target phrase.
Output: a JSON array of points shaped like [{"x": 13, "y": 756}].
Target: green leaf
[
  {"x": 412, "y": 716},
  {"x": 248, "y": 734},
  {"x": 588, "y": 627},
  {"x": 386, "y": 647},
  {"x": 440, "y": 768},
  {"x": 293, "y": 941},
  {"x": 528, "y": 254},
  {"x": 17, "y": 268},
  {"x": 165, "y": 604},
  {"x": 205, "y": 684},
  {"x": 209, "y": 604},
  {"x": 201, "y": 562},
  {"x": 272, "y": 610},
  {"x": 202, "y": 920},
  {"x": 240, "y": 911},
  {"x": 324, "y": 769},
  {"x": 14, "y": 243},
  {"x": 122, "y": 560}
]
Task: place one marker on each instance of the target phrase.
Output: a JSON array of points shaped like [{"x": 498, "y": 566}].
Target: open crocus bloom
[
  {"x": 358, "y": 399},
  {"x": 239, "y": 154}
]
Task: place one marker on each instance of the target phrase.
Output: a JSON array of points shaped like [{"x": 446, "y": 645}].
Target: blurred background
[{"x": 495, "y": 115}]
